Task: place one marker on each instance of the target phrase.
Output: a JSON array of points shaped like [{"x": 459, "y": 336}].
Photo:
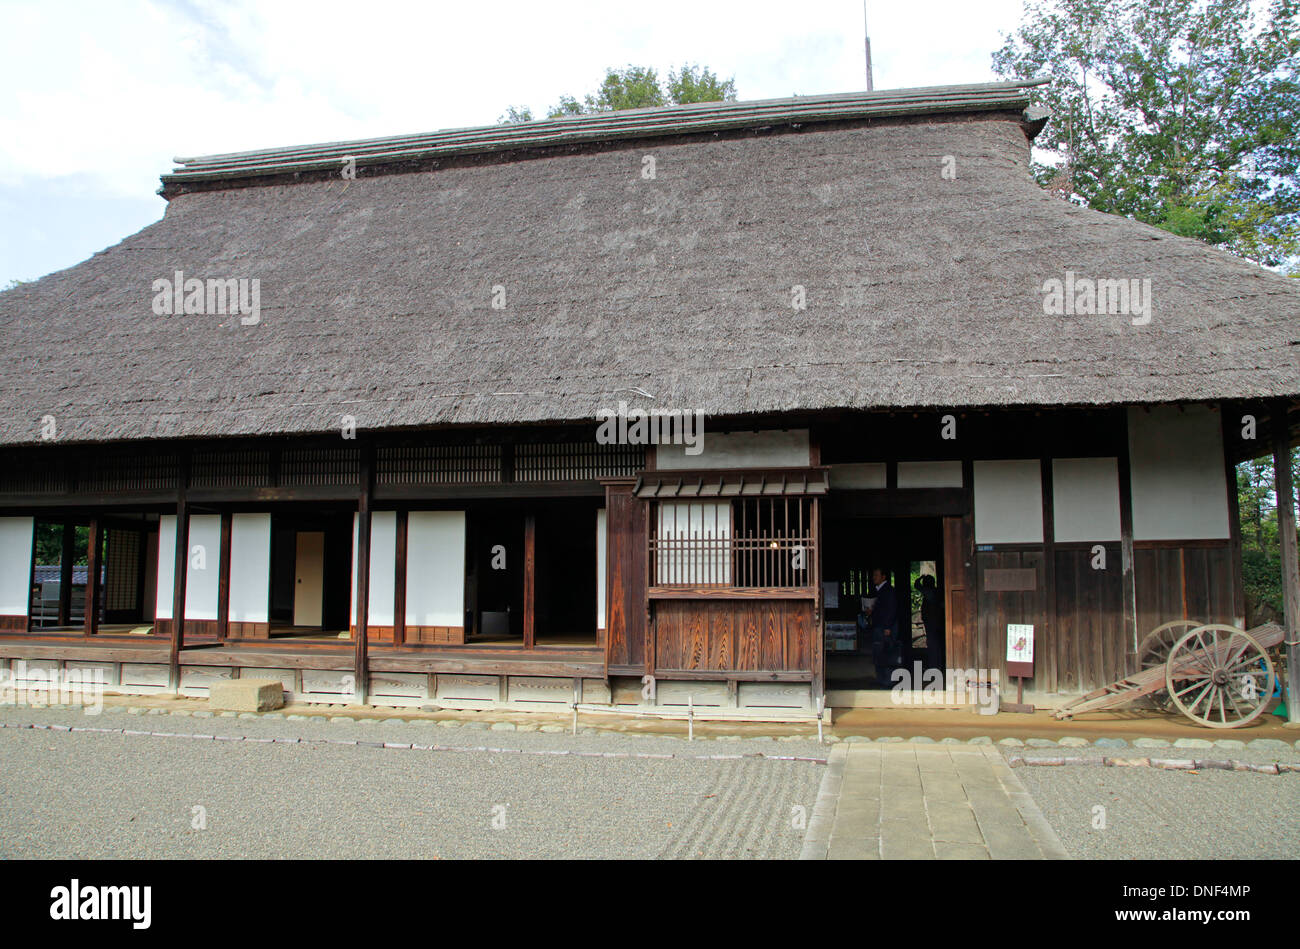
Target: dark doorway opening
[
  {"x": 906, "y": 549},
  {"x": 311, "y": 574},
  {"x": 494, "y": 580},
  {"x": 566, "y": 573},
  {"x": 563, "y": 567}
]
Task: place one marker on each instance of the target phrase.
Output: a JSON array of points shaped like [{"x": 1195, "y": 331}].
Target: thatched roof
[{"x": 376, "y": 293}]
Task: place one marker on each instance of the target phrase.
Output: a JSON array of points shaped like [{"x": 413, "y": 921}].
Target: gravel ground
[
  {"x": 1156, "y": 814},
  {"x": 90, "y": 795}
]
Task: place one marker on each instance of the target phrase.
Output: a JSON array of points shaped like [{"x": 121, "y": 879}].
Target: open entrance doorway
[
  {"x": 311, "y": 571},
  {"x": 908, "y": 551},
  {"x": 537, "y": 558}
]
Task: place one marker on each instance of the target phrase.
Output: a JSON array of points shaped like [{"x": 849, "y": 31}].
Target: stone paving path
[{"x": 903, "y": 801}]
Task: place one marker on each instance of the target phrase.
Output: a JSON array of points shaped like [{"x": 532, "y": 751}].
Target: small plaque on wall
[{"x": 1011, "y": 579}]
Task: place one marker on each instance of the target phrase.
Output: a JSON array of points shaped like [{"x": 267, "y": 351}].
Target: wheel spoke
[
  {"x": 1247, "y": 663},
  {"x": 1209, "y": 686},
  {"x": 1195, "y": 684}
]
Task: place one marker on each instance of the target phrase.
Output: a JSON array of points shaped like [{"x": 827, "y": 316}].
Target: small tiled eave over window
[{"x": 750, "y": 533}]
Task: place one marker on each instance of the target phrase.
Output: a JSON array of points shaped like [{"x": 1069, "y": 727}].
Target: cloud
[{"x": 107, "y": 94}]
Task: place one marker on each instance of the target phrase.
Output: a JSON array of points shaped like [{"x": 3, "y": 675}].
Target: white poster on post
[{"x": 1020, "y": 643}]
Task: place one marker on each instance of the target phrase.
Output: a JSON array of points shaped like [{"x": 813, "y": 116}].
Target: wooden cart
[{"x": 1217, "y": 675}]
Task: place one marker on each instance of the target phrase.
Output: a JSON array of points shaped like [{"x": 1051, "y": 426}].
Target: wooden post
[
  {"x": 1286, "y": 529},
  {"x": 29, "y": 623},
  {"x": 530, "y": 580},
  {"x": 66, "y": 560},
  {"x": 178, "y": 592},
  {"x": 1128, "y": 577},
  {"x": 1234, "y": 515},
  {"x": 361, "y": 663},
  {"x": 223, "y": 580},
  {"x": 90, "y": 625},
  {"x": 399, "y": 582},
  {"x": 819, "y": 610},
  {"x": 1045, "y": 646}
]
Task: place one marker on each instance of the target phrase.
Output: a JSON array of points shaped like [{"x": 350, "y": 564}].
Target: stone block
[{"x": 246, "y": 695}]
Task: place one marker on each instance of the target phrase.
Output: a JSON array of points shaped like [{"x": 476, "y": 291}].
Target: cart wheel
[
  {"x": 1156, "y": 647},
  {"x": 1219, "y": 676}
]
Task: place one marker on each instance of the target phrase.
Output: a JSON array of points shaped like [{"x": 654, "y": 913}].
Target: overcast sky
[{"x": 99, "y": 97}]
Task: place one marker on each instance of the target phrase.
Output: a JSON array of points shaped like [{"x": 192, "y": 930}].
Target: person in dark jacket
[
  {"x": 932, "y": 620},
  {"x": 883, "y": 623}
]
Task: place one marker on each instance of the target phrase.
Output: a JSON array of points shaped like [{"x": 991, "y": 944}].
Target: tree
[
  {"x": 693, "y": 84},
  {"x": 1184, "y": 114},
  {"x": 1261, "y": 556},
  {"x": 516, "y": 114},
  {"x": 49, "y": 545},
  {"x": 636, "y": 87}
]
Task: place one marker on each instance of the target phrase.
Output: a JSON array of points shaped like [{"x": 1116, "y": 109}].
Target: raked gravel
[
  {"x": 539, "y": 794},
  {"x": 1148, "y": 813}
]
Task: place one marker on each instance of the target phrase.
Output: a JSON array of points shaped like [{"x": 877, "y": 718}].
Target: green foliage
[
  {"x": 637, "y": 87},
  {"x": 516, "y": 114},
  {"x": 696, "y": 84},
  {"x": 1262, "y": 578},
  {"x": 1261, "y": 556},
  {"x": 1183, "y": 114},
  {"x": 49, "y": 545}
]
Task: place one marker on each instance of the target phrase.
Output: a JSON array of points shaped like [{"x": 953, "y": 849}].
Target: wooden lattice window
[
  {"x": 576, "y": 461},
  {"x": 121, "y": 570},
  {"x": 32, "y": 473},
  {"x": 230, "y": 468},
  {"x": 438, "y": 464},
  {"x": 133, "y": 470},
  {"x": 320, "y": 466},
  {"x": 753, "y": 543}
]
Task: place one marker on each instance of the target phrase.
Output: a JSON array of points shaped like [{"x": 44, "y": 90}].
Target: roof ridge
[{"x": 606, "y": 126}]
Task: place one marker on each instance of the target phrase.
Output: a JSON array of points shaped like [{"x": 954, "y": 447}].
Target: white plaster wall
[
  {"x": 166, "y": 566},
  {"x": 602, "y": 541},
  {"x": 203, "y": 567},
  {"x": 1085, "y": 499},
  {"x": 435, "y": 568},
  {"x": 16, "y": 535},
  {"x": 1177, "y": 473},
  {"x": 383, "y": 569},
  {"x": 1008, "y": 502},
  {"x": 775, "y": 449},
  {"x": 929, "y": 474},
  {"x": 250, "y": 568},
  {"x": 858, "y": 476}
]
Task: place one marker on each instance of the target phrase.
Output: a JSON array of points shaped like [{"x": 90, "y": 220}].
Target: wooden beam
[
  {"x": 360, "y": 658},
  {"x": 530, "y": 580},
  {"x": 399, "y": 582},
  {"x": 223, "y": 579},
  {"x": 66, "y": 560},
  {"x": 91, "y": 620},
  {"x": 1286, "y": 529}
]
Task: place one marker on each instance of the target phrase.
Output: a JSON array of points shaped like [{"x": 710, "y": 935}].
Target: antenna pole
[{"x": 867, "y": 36}]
